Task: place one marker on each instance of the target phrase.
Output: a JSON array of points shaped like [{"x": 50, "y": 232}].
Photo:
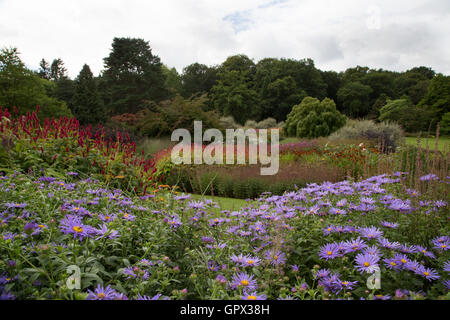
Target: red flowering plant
[{"x": 57, "y": 146}]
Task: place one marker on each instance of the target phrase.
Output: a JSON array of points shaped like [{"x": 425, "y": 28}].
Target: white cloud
[{"x": 335, "y": 34}]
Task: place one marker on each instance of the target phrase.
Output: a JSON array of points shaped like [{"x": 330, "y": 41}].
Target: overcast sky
[{"x": 395, "y": 35}]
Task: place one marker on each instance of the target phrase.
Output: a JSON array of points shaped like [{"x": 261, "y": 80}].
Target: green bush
[
  {"x": 229, "y": 123},
  {"x": 389, "y": 134},
  {"x": 313, "y": 118},
  {"x": 267, "y": 124}
]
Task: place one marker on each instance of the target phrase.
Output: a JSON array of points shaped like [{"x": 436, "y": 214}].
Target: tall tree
[
  {"x": 57, "y": 70},
  {"x": 234, "y": 93},
  {"x": 197, "y": 79},
  {"x": 438, "y": 96},
  {"x": 354, "y": 97},
  {"x": 44, "y": 70},
  {"x": 173, "y": 81},
  {"x": 87, "y": 105},
  {"x": 132, "y": 75},
  {"x": 24, "y": 89}
]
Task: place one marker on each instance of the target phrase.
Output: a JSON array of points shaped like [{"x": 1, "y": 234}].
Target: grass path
[
  {"x": 430, "y": 141},
  {"x": 224, "y": 203}
]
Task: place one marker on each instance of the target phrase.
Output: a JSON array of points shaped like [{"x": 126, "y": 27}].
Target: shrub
[
  {"x": 410, "y": 117},
  {"x": 62, "y": 145},
  {"x": 229, "y": 123},
  {"x": 267, "y": 124},
  {"x": 388, "y": 135},
  {"x": 163, "y": 119},
  {"x": 250, "y": 124},
  {"x": 313, "y": 118}
]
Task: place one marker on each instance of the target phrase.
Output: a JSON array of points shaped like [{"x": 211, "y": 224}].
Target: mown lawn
[
  {"x": 443, "y": 141},
  {"x": 224, "y": 203}
]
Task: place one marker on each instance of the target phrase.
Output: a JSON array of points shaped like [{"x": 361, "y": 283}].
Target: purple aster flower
[
  {"x": 128, "y": 217},
  {"x": 337, "y": 211},
  {"x": 251, "y": 261},
  {"x": 366, "y": 262},
  {"x": 323, "y": 273},
  {"x": 156, "y": 297},
  {"x": 413, "y": 266},
  {"x": 370, "y": 232},
  {"x": 348, "y": 285},
  {"x": 354, "y": 245},
  {"x": 385, "y": 243},
  {"x": 136, "y": 273},
  {"x": 441, "y": 245},
  {"x": 329, "y": 251},
  {"x": 400, "y": 205},
  {"x": 446, "y": 283},
  {"x": 252, "y": 295},
  {"x": 101, "y": 293},
  {"x": 243, "y": 280},
  {"x": 425, "y": 252},
  {"x": 73, "y": 225},
  {"x": 221, "y": 279},
  {"x": 174, "y": 222},
  {"x": 447, "y": 266},
  {"x": 381, "y": 297},
  {"x": 428, "y": 273},
  {"x": 429, "y": 177},
  {"x": 373, "y": 250},
  {"x": 107, "y": 217},
  {"x": 275, "y": 257},
  {"x": 197, "y": 205},
  {"x": 103, "y": 232},
  {"x": 408, "y": 249},
  {"x": 392, "y": 264},
  {"x": 332, "y": 283}
]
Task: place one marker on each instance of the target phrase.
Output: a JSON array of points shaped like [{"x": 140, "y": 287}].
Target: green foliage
[
  {"x": 57, "y": 70},
  {"x": 22, "y": 88},
  {"x": 354, "y": 97},
  {"x": 234, "y": 95},
  {"x": 438, "y": 96},
  {"x": 197, "y": 79},
  {"x": 132, "y": 75},
  {"x": 445, "y": 124},
  {"x": 87, "y": 105},
  {"x": 389, "y": 134},
  {"x": 162, "y": 119},
  {"x": 173, "y": 80},
  {"x": 313, "y": 118},
  {"x": 410, "y": 117}
]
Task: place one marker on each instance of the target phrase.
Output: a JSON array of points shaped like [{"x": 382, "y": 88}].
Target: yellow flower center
[
  {"x": 366, "y": 264},
  {"x": 125, "y": 215},
  {"x": 76, "y": 209},
  {"x": 329, "y": 253},
  {"x": 78, "y": 229},
  {"x": 107, "y": 217},
  {"x": 426, "y": 273},
  {"x": 275, "y": 257},
  {"x": 41, "y": 226},
  {"x": 244, "y": 282},
  {"x": 250, "y": 262},
  {"x": 251, "y": 298},
  {"x": 345, "y": 283},
  {"x": 403, "y": 261},
  {"x": 101, "y": 295},
  {"x": 444, "y": 246},
  {"x": 393, "y": 264}
]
